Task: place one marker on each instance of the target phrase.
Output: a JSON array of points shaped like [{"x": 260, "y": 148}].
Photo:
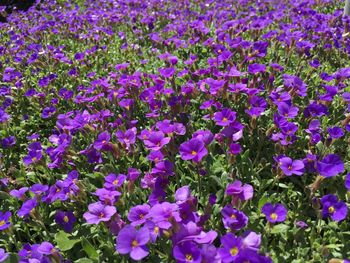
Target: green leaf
[
  {"x": 89, "y": 249},
  {"x": 84, "y": 260},
  {"x": 63, "y": 241},
  {"x": 280, "y": 228}
]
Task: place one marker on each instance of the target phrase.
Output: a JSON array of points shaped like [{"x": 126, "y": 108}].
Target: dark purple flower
[
  {"x": 335, "y": 132},
  {"x": 333, "y": 208},
  {"x": 99, "y": 212},
  {"x": 4, "y": 220},
  {"x": 187, "y": 252},
  {"x": 130, "y": 240},
  {"x": 193, "y": 149},
  {"x": 331, "y": 165},
  {"x": 290, "y": 167},
  {"x": 274, "y": 213},
  {"x": 65, "y": 220},
  {"x": 347, "y": 181},
  {"x": 233, "y": 219}
]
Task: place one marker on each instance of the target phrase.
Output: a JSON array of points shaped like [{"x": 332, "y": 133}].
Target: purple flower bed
[{"x": 175, "y": 131}]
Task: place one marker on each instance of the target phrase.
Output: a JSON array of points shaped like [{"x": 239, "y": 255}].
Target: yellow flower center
[
  {"x": 189, "y": 257},
  {"x": 234, "y": 251},
  {"x": 65, "y": 219},
  {"x": 34, "y": 159},
  {"x": 134, "y": 243},
  {"x": 331, "y": 209},
  {"x": 116, "y": 181},
  {"x": 290, "y": 167},
  {"x": 193, "y": 152},
  {"x": 53, "y": 251},
  {"x": 233, "y": 216},
  {"x": 2, "y": 222},
  {"x": 156, "y": 230},
  {"x": 274, "y": 216},
  {"x": 141, "y": 216},
  {"x": 101, "y": 215},
  {"x": 224, "y": 119}
]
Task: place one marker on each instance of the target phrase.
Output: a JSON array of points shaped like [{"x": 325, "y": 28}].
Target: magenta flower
[
  {"x": 193, "y": 149},
  {"x": 331, "y": 165},
  {"x": 98, "y": 212},
  {"x": 130, "y": 240},
  {"x": 274, "y": 213},
  {"x": 290, "y": 167}
]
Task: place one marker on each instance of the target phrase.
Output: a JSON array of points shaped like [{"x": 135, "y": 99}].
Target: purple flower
[
  {"x": 347, "y": 181},
  {"x": 130, "y": 240},
  {"x": 233, "y": 219},
  {"x": 290, "y": 167},
  {"x": 224, "y": 117},
  {"x": 331, "y": 165},
  {"x": 182, "y": 194},
  {"x": 164, "y": 214},
  {"x": 187, "y": 252},
  {"x": 335, "y": 132},
  {"x": 138, "y": 214},
  {"x": 274, "y": 213},
  {"x": 20, "y": 193},
  {"x": 107, "y": 196},
  {"x": 65, "y": 220},
  {"x": 256, "y": 68},
  {"x": 4, "y": 220},
  {"x": 46, "y": 248},
  {"x": 27, "y": 208},
  {"x": 3, "y": 255},
  {"x": 287, "y": 110},
  {"x": 99, "y": 212},
  {"x": 156, "y": 140},
  {"x": 237, "y": 190},
  {"x": 193, "y": 149},
  {"x": 231, "y": 247},
  {"x": 331, "y": 207},
  {"x": 113, "y": 181},
  {"x": 102, "y": 142}
]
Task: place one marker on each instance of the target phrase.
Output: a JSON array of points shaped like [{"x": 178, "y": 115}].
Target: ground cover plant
[{"x": 175, "y": 131}]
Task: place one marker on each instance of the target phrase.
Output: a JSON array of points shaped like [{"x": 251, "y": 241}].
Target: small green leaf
[
  {"x": 63, "y": 241},
  {"x": 83, "y": 260},
  {"x": 280, "y": 228},
  {"x": 89, "y": 249}
]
